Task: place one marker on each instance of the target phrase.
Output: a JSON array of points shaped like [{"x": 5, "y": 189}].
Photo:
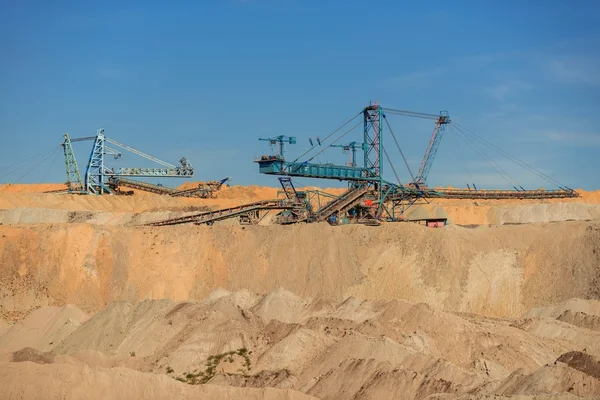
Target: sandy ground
[
  {"x": 496, "y": 271},
  {"x": 281, "y": 346},
  {"x": 503, "y": 303},
  {"x": 27, "y": 204}
]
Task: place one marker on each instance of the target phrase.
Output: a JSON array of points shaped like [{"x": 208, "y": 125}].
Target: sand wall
[
  {"x": 498, "y": 271},
  {"x": 461, "y": 215}
]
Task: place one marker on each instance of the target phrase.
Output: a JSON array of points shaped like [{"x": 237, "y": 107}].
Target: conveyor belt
[
  {"x": 147, "y": 187},
  {"x": 211, "y": 216},
  {"x": 342, "y": 203},
  {"x": 487, "y": 194}
]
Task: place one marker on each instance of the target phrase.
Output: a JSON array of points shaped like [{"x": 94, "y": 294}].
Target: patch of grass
[
  {"x": 132, "y": 353},
  {"x": 170, "y": 370},
  {"x": 212, "y": 362}
]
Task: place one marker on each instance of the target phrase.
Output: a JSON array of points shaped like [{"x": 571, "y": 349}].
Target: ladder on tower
[
  {"x": 303, "y": 208},
  {"x": 289, "y": 189}
]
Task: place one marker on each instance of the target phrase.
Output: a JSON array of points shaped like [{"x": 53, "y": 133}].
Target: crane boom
[
  {"x": 280, "y": 141},
  {"x": 411, "y": 113},
  {"x": 432, "y": 148},
  {"x": 352, "y": 146},
  {"x": 441, "y": 121},
  {"x": 97, "y": 173},
  {"x": 139, "y": 153}
]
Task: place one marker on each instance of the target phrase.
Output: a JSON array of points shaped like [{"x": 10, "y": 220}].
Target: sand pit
[
  {"x": 502, "y": 303},
  {"x": 281, "y": 346}
]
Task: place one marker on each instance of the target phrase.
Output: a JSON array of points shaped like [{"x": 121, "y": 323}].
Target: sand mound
[
  {"x": 580, "y": 319},
  {"x": 218, "y": 348},
  {"x": 43, "y": 328},
  {"x": 281, "y": 305},
  {"x": 582, "y": 362},
  {"x": 573, "y": 305},
  {"x": 272, "y": 312},
  {"x": 61, "y": 381},
  {"x": 32, "y": 355},
  {"x": 30, "y": 188},
  {"x": 559, "y": 378}
]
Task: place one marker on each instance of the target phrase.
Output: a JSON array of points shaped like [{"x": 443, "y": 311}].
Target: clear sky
[{"x": 205, "y": 79}]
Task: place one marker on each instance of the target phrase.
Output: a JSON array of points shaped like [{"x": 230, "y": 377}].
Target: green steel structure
[
  {"x": 369, "y": 198},
  {"x": 100, "y": 179},
  {"x": 369, "y": 194},
  {"x": 74, "y": 181}
]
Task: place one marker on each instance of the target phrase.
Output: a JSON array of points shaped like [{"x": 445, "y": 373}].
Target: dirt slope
[
  {"x": 228, "y": 343},
  {"x": 60, "y": 381},
  {"x": 497, "y": 271},
  {"x": 93, "y": 304},
  {"x": 43, "y": 328}
]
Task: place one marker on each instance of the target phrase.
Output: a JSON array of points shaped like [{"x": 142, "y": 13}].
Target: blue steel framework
[
  {"x": 373, "y": 129},
  {"x": 370, "y": 173},
  {"x": 373, "y": 152},
  {"x": 351, "y": 147},
  {"x": 94, "y": 174},
  {"x": 432, "y": 148},
  {"x": 280, "y": 141},
  {"x": 74, "y": 181},
  {"x": 97, "y": 174},
  {"x": 391, "y": 199},
  {"x": 367, "y": 187}
]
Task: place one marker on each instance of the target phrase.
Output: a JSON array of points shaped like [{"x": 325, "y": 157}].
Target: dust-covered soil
[
  {"x": 27, "y": 204},
  {"x": 504, "y": 302},
  {"x": 497, "y": 271},
  {"x": 281, "y": 346}
]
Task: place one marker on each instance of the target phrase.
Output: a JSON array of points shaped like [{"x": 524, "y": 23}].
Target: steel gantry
[
  {"x": 94, "y": 174},
  {"x": 100, "y": 179},
  {"x": 384, "y": 200},
  {"x": 74, "y": 181},
  {"x": 441, "y": 121},
  {"x": 370, "y": 198},
  {"x": 351, "y": 148}
]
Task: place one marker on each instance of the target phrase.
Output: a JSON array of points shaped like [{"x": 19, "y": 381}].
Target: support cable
[
  {"x": 399, "y": 149},
  {"x": 38, "y": 164},
  {"x": 336, "y": 140},
  {"x": 392, "y": 166},
  {"x": 411, "y": 113},
  {"x": 486, "y": 158},
  {"x": 49, "y": 170},
  {"x": 22, "y": 164},
  {"x": 507, "y": 155},
  {"x": 463, "y": 159},
  {"x": 327, "y": 137}
]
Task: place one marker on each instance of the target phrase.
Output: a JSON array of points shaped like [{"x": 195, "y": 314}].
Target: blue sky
[{"x": 205, "y": 79}]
